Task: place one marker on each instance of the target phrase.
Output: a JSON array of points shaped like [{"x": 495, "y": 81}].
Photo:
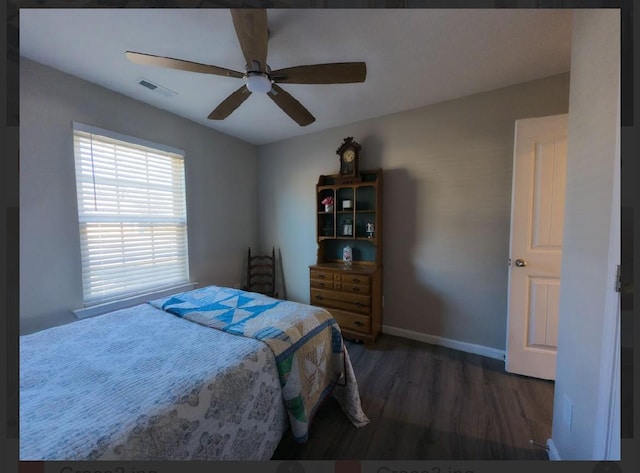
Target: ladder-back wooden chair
[{"x": 261, "y": 274}]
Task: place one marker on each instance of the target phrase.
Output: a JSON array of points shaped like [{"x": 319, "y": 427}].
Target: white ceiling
[{"x": 414, "y": 57}]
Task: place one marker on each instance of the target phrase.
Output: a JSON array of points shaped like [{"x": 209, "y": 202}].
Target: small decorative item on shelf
[
  {"x": 347, "y": 205},
  {"x": 347, "y": 227},
  {"x": 347, "y": 256},
  {"x": 328, "y": 204},
  {"x": 370, "y": 230}
]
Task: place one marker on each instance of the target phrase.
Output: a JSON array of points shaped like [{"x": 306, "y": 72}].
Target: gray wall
[
  {"x": 447, "y": 190},
  {"x": 593, "y": 112},
  {"x": 220, "y": 176}
]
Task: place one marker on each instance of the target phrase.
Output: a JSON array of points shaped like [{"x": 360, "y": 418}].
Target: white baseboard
[
  {"x": 553, "y": 451},
  {"x": 446, "y": 342}
]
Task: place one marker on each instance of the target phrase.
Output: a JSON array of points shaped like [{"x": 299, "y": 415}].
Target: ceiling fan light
[{"x": 258, "y": 83}]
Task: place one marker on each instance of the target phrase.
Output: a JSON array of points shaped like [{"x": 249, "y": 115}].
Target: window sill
[{"x": 100, "y": 309}]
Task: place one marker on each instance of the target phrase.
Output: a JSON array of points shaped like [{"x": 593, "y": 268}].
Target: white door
[{"x": 537, "y": 217}]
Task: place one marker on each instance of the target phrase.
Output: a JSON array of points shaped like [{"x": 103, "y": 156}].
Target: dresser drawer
[
  {"x": 355, "y": 288},
  {"x": 322, "y": 283},
  {"x": 322, "y": 275},
  {"x": 351, "y": 322},
  {"x": 359, "y": 279},
  {"x": 341, "y": 300}
]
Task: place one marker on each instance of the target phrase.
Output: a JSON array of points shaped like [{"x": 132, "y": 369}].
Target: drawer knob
[
  {"x": 359, "y": 323},
  {"x": 355, "y": 289},
  {"x": 321, "y": 276},
  {"x": 356, "y": 280},
  {"x": 358, "y": 303},
  {"x": 319, "y": 297}
]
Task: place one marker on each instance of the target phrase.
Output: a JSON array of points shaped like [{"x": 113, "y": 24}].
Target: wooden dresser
[{"x": 352, "y": 293}]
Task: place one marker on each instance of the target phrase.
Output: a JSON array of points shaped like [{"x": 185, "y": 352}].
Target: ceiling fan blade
[
  {"x": 253, "y": 33},
  {"x": 229, "y": 104},
  {"x": 336, "y": 73},
  {"x": 291, "y": 106},
  {"x": 171, "y": 63}
]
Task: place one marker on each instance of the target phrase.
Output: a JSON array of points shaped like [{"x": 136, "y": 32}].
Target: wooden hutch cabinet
[{"x": 351, "y": 292}]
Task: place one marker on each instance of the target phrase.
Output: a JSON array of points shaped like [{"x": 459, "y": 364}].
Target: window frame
[{"x": 93, "y": 304}]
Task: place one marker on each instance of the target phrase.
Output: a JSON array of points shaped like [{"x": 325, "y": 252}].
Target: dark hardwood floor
[{"x": 427, "y": 402}]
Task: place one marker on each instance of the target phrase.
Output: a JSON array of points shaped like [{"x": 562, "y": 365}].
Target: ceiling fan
[{"x": 253, "y": 34}]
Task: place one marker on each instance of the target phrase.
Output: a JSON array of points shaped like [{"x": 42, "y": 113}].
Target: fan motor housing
[{"x": 258, "y": 82}]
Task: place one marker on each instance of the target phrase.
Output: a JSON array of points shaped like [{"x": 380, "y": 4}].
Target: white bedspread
[{"x": 140, "y": 384}]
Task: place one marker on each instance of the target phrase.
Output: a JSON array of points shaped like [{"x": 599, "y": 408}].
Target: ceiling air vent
[{"x": 156, "y": 87}]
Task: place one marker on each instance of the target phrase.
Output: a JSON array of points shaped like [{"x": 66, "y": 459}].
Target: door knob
[{"x": 520, "y": 263}]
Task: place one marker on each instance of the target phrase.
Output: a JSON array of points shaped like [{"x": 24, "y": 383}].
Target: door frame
[{"x": 607, "y": 431}]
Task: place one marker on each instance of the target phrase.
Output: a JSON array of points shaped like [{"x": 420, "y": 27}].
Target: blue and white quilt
[{"x": 306, "y": 342}]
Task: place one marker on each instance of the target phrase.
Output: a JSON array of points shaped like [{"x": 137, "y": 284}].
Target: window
[{"x": 131, "y": 213}]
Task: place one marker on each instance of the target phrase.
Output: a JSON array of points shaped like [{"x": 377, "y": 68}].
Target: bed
[{"x": 210, "y": 374}]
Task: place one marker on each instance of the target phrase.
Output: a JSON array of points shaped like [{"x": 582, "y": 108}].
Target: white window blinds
[{"x": 132, "y": 216}]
